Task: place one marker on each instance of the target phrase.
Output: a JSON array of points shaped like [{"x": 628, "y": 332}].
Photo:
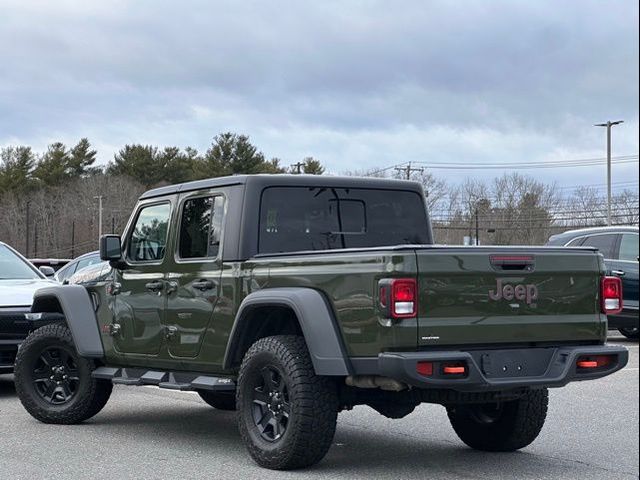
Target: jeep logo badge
[{"x": 528, "y": 293}]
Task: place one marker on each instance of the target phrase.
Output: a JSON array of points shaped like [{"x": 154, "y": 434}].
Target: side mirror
[
  {"x": 48, "y": 272},
  {"x": 110, "y": 248}
]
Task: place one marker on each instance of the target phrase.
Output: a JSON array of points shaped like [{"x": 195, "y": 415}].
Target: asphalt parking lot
[{"x": 591, "y": 432}]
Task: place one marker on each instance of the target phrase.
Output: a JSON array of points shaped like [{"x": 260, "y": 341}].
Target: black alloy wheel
[
  {"x": 270, "y": 404},
  {"x": 55, "y": 375}
]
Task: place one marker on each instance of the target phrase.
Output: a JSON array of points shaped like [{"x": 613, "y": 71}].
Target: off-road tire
[
  {"x": 90, "y": 395},
  {"x": 514, "y": 425},
  {"x": 219, "y": 400},
  {"x": 631, "y": 333},
  {"x": 312, "y": 403}
]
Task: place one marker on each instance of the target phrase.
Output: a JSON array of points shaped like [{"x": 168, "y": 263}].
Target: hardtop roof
[{"x": 285, "y": 180}]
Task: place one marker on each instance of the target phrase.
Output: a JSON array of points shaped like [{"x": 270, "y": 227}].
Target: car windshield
[{"x": 13, "y": 267}]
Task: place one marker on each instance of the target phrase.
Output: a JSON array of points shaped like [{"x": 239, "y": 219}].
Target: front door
[
  {"x": 193, "y": 279},
  {"x": 141, "y": 300}
]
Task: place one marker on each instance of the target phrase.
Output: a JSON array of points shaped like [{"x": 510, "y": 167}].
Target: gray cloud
[{"x": 357, "y": 84}]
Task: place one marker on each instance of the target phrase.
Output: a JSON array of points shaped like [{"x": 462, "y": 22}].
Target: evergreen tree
[
  {"x": 312, "y": 166},
  {"x": 140, "y": 162},
  {"x": 16, "y": 169},
  {"x": 231, "y": 154},
  {"x": 53, "y": 167},
  {"x": 81, "y": 159}
]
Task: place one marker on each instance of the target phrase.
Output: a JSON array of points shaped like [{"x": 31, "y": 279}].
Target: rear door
[
  {"x": 484, "y": 296},
  {"x": 193, "y": 278}
]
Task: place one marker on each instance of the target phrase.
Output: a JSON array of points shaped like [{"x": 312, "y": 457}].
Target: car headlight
[{"x": 33, "y": 316}]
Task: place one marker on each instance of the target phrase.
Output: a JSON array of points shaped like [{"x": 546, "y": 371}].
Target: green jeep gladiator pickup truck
[{"x": 291, "y": 298}]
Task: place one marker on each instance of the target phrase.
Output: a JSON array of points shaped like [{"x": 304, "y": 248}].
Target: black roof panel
[{"x": 265, "y": 180}]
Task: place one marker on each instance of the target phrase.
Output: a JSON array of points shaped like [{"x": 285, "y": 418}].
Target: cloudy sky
[{"x": 358, "y": 85}]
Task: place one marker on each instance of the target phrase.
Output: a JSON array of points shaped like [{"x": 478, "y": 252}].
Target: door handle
[
  {"x": 155, "y": 286},
  {"x": 619, "y": 273},
  {"x": 203, "y": 285}
]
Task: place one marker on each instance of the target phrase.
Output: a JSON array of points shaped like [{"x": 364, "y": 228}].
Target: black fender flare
[
  {"x": 317, "y": 321},
  {"x": 80, "y": 317}
]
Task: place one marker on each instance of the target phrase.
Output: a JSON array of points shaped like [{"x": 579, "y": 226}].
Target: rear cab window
[{"x": 324, "y": 218}]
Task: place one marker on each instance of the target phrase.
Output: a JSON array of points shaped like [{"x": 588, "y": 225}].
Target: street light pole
[
  {"x": 99, "y": 197},
  {"x": 609, "y": 125}
]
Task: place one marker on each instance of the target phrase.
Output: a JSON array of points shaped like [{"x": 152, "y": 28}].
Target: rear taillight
[
  {"x": 398, "y": 297},
  {"x": 611, "y": 295}
]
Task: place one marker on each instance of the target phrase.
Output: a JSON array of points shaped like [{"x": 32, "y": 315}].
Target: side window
[
  {"x": 629, "y": 247},
  {"x": 66, "y": 272},
  {"x": 604, "y": 243},
  {"x": 201, "y": 227},
  {"x": 148, "y": 240},
  {"x": 85, "y": 262}
]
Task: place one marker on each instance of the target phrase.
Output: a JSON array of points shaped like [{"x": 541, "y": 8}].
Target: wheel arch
[
  {"x": 74, "y": 303},
  {"x": 298, "y": 311}
]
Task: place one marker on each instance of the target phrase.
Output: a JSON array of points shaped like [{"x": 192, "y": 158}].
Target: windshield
[{"x": 13, "y": 267}]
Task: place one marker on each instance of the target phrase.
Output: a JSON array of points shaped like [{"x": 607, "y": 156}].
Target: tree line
[{"x": 49, "y": 200}]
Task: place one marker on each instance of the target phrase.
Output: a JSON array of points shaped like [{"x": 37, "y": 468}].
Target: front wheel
[
  {"x": 501, "y": 427},
  {"x": 286, "y": 413},
  {"x": 53, "y": 382}
]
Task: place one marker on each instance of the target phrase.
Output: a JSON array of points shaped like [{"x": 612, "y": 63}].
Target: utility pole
[
  {"x": 99, "y": 197},
  {"x": 73, "y": 239},
  {"x": 297, "y": 168},
  {"x": 477, "y": 228},
  {"x": 609, "y": 125},
  {"x": 26, "y": 253},
  {"x": 408, "y": 170}
]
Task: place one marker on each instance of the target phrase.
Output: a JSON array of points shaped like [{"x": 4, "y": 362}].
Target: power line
[{"x": 529, "y": 165}]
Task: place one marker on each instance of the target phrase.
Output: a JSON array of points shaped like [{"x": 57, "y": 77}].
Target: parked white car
[{"x": 19, "y": 279}]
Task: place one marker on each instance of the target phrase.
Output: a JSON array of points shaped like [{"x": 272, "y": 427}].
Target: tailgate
[{"x": 493, "y": 295}]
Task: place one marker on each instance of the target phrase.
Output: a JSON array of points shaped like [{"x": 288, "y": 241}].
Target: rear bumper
[{"x": 498, "y": 370}]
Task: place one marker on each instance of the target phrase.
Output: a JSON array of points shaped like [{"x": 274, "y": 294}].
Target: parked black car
[{"x": 619, "y": 245}]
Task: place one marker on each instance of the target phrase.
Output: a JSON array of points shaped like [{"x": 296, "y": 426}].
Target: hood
[
  {"x": 19, "y": 293},
  {"x": 97, "y": 272}
]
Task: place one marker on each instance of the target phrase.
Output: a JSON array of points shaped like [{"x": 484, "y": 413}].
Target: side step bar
[{"x": 170, "y": 380}]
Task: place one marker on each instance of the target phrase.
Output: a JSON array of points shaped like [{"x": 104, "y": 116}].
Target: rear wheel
[
  {"x": 286, "y": 413},
  {"x": 53, "y": 382},
  {"x": 219, "y": 400},
  {"x": 501, "y": 427},
  {"x": 631, "y": 332}
]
